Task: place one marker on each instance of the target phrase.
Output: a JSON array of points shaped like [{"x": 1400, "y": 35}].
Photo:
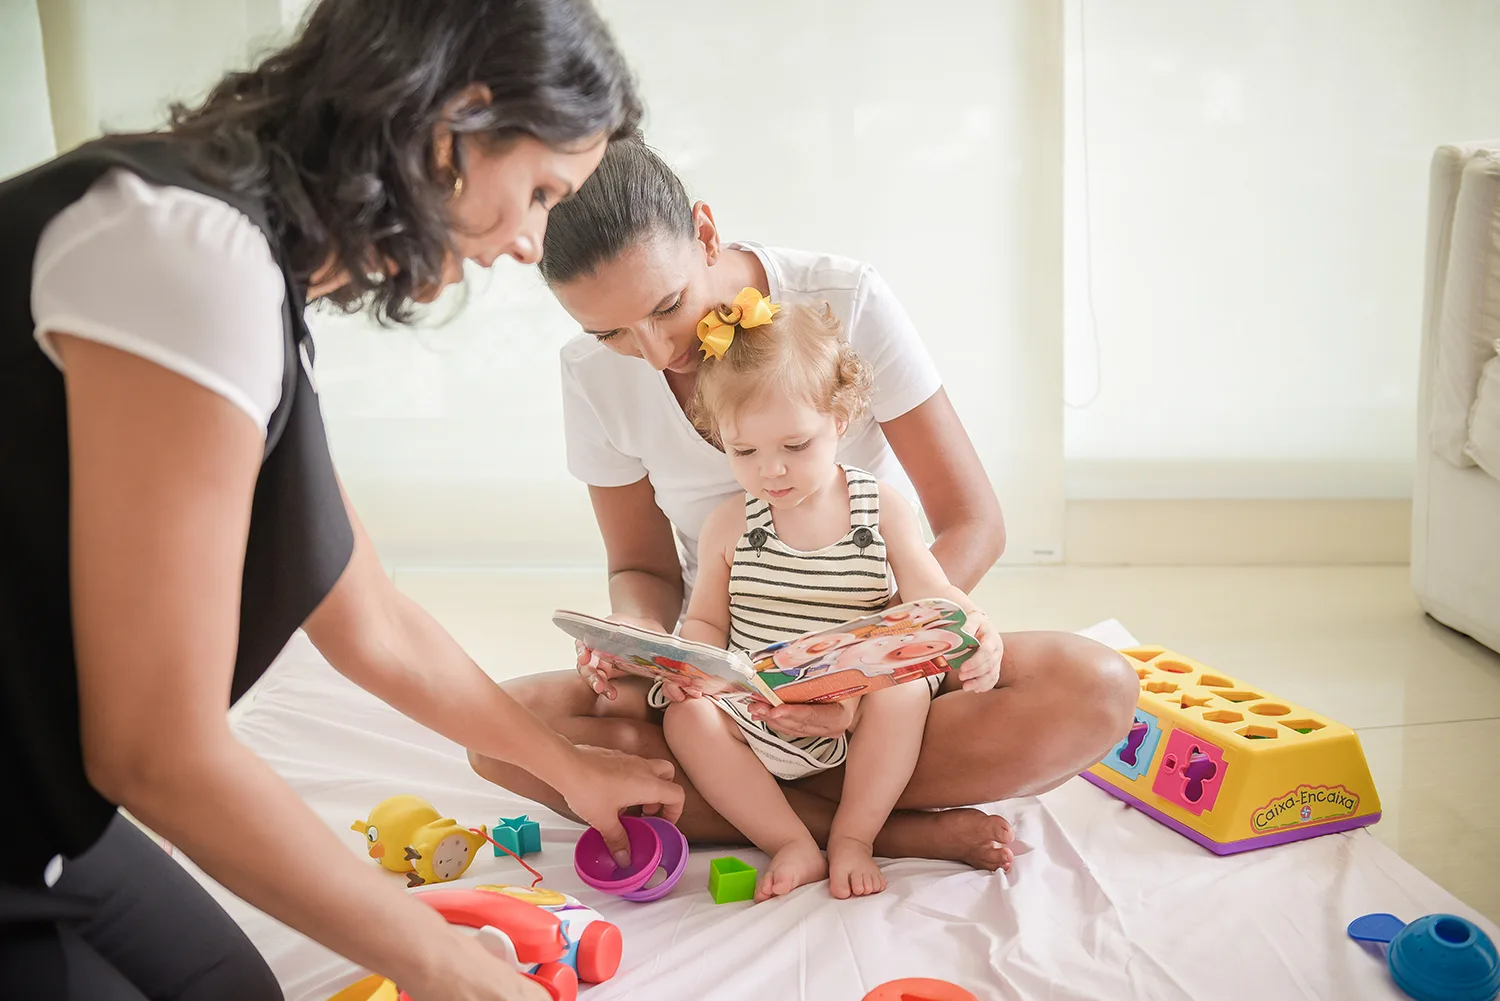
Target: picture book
[{"x": 915, "y": 640}]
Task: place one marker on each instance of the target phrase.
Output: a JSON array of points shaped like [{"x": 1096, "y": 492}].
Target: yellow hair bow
[{"x": 749, "y": 309}]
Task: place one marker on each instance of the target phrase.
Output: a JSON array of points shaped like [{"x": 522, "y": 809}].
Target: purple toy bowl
[
  {"x": 674, "y": 860},
  {"x": 597, "y": 868}
]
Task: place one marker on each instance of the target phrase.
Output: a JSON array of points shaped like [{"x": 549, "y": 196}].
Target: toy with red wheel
[{"x": 550, "y": 937}]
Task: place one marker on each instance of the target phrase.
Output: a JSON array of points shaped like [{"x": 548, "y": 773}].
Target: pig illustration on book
[
  {"x": 806, "y": 651},
  {"x": 890, "y": 654}
]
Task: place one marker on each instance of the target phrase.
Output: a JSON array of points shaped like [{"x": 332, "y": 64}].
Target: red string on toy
[{"x": 485, "y": 836}]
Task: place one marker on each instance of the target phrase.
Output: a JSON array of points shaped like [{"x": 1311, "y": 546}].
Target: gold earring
[{"x": 458, "y": 185}]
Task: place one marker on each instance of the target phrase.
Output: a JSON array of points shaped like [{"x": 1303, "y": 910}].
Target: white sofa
[{"x": 1455, "y": 552}]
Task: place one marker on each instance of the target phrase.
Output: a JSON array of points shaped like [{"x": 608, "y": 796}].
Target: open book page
[
  {"x": 912, "y": 641},
  {"x": 916, "y": 640},
  {"x": 707, "y": 669}
]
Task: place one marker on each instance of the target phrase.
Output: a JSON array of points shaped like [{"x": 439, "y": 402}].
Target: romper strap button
[
  {"x": 758, "y": 538},
  {"x": 863, "y": 537}
]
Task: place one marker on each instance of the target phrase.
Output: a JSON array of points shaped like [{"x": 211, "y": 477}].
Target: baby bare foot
[
  {"x": 852, "y": 871},
  {"x": 973, "y": 837},
  {"x": 794, "y": 864}
]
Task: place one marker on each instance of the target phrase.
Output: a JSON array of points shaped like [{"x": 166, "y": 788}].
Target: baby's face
[{"x": 781, "y": 450}]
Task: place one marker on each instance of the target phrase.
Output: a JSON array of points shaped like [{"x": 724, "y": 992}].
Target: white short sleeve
[
  {"x": 879, "y": 329},
  {"x": 592, "y": 456},
  {"x": 176, "y": 277}
]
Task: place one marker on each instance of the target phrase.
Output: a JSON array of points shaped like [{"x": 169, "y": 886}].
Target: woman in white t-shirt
[
  {"x": 170, "y": 515},
  {"x": 638, "y": 265}
]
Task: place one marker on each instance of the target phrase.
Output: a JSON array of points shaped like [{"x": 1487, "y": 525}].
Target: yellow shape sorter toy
[{"x": 1231, "y": 767}]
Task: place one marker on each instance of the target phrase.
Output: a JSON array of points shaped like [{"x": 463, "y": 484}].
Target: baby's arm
[
  {"x": 919, "y": 575},
  {"x": 707, "y": 618}
]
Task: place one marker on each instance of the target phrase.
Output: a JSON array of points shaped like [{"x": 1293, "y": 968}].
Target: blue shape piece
[
  {"x": 1377, "y": 928},
  {"x": 521, "y": 836},
  {"x": 1132, "y": 756},
  {"x": 506, "y": 838},
  {"x": 1442, "y": 957}
]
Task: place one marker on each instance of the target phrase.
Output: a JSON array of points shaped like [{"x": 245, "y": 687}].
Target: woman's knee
[
  {"x": 1119, "y": 688},
  {"x": 1089, "y": 687},
  {"x": 553, "y": 696}
]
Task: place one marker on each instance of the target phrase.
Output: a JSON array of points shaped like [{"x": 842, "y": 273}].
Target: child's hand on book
[
  {"x": 679, "y": 693},
  {"x": 982, "y": 671},
  {"x": 597, "y": 671},
  {"x": 828, "y": 719}
]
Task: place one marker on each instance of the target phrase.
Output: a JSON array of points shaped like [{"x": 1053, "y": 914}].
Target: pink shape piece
[{"x": 1191, "y": 773}]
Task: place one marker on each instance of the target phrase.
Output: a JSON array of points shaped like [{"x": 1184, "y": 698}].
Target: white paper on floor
[{"x": 1105, "y": 904}]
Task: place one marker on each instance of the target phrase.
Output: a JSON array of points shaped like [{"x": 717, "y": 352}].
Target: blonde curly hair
[{"x": 801, "y": 353}]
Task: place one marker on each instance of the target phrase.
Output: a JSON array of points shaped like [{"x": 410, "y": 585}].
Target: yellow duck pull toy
[{"x": 405, "y": 834}]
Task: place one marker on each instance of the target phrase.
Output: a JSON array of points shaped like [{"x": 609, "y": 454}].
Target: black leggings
[{"x": 151, "y": 934}]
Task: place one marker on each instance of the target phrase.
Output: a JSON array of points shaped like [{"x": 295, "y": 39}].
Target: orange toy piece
[
  {"x": 535, "y": 934},
  {"x": 521, "y": 933},
  {"x": 919, "y": 990}
]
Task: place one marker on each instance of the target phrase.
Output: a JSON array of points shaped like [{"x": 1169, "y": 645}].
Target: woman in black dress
[{"x": 169, "y": 515}]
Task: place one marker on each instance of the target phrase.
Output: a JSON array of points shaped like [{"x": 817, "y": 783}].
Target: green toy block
[
  {"x": 523, "y": 837},
  {"x": 730, "y": 880}
]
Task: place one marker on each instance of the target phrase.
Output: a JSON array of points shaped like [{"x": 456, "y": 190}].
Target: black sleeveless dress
[{"x": 300, "y": 539}]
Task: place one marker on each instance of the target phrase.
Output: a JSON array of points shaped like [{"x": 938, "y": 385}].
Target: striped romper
[{"x": 777, "y": 593}]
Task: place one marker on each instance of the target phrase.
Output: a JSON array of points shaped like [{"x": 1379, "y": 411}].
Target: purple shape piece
[
  {"x": 674, "y": 860},
  {"x": 596, "y": 867},
  {"x": 1133, "y": 743},
  {"x": 1200, "y": 769}
]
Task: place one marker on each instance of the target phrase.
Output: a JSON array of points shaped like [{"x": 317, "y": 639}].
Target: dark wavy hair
[{"x": 334, "y": 132}]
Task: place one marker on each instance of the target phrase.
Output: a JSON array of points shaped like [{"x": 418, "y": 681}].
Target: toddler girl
[{"x": 811, "y": 544}]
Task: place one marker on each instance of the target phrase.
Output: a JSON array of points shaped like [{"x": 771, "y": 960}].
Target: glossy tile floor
[{"x": 1349, "y": 642}]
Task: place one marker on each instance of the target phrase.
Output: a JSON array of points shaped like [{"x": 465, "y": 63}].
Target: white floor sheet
[{"x": 1104, "y": 903}]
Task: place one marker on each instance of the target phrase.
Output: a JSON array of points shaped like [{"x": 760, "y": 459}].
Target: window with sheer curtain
[
  {"x": 1210, "y": 215},
  {"x": 1247, "y": 212}
]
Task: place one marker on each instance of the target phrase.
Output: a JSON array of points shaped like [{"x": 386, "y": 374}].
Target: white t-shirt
[
  {"x": 179, "y": 278},
  {"x": 623, "y": 423}
]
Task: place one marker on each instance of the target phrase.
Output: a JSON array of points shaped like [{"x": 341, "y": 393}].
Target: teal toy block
[
  {"x": 730, "y": 880},
  {"x": 521, "y": 836}
]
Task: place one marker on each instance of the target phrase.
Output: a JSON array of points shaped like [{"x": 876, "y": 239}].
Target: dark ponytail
[
  {"x": 633, "y": 195},
  {"x": 334, "y": 132}
]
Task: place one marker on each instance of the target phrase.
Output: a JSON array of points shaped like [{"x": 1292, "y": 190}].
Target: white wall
[
  {"x": 1247, "y": 186},
  {"x": 25, "y": 119},
  {"x": 116, "y": 66},
  {"x": 929, "y": 146}
]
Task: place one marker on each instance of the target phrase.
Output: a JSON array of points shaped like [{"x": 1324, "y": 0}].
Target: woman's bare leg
[
  {"x": 969, "y": 836},
  {"x": 1063, "y": 702}
]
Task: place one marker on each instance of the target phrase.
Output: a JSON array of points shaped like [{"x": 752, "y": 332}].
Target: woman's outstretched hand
[
  {"x": 604, "y": 783},
  {"x": 470, "y": 972}
]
